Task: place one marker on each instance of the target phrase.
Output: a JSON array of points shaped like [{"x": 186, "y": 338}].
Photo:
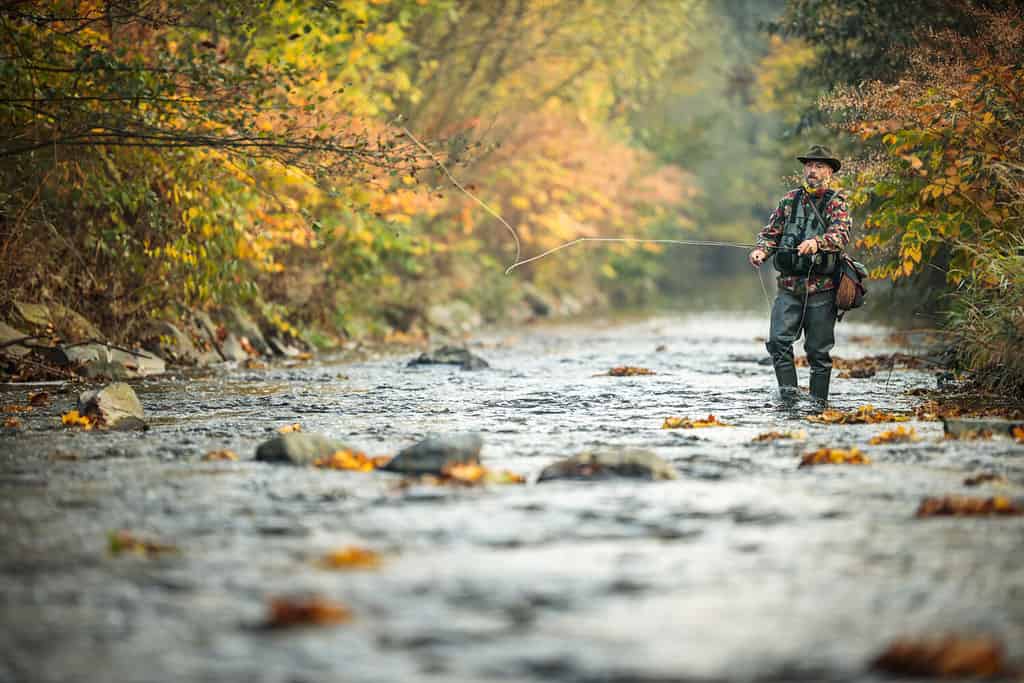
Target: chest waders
[{"x": 813, "y": 315}]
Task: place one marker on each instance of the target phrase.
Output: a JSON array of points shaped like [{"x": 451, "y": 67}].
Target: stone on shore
[
  {"x": 967, "y": 426},
  {"x": 73, "y": 326},
  {"x": 455, "y": 317},
  {"x": 36, "y": 316},
  {"x": 630, "y": 463},
  {"x": 298, "y": 448},
  {"x": 97, "y": 361},
  {"x": 9, "y": 334},
  {"x": 451, "y": 355},
  {"x": 115, "y": 406},
  {"x": 436, "y": 452},
  {"x": 239, "y": 322}
]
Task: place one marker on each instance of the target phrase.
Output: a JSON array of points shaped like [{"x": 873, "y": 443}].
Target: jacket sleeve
[
  {"x": 837, "y": 235},
  {"x": 768, "y": 238}
]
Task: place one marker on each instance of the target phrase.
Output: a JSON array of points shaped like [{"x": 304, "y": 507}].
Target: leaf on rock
[
  {"x": 834, "y": 456},
  {"x": 687, "y": 423},
  {"x": 350, "y": 460},
  {"x": 122, "y": 542},
  {"x": 288, "y": 429},
  {"x": 795, "y": 435},
  {"x": 897, "y": 435},
  {"x": 351, "y": 557},
  {"x": 73, "y": 419},
  {"x": 629, "y": 371},
  {"x": 223, "y": 454},
  {"x": 947, "y": 657},
  {"x": 313, "y": 611},
  {"x": 967, "y": 506},
  {"x": 866, "y": 414}
]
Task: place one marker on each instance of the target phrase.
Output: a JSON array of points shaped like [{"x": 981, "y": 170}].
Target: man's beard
[{"x": 814, "y": 183}]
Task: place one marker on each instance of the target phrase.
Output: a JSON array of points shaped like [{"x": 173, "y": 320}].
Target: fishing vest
[{"x": 803, "y": 224}]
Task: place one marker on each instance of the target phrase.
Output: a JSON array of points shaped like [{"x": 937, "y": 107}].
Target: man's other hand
[
  {"x": 808, "y": 247},
  {"x": 757, "y": 257}
]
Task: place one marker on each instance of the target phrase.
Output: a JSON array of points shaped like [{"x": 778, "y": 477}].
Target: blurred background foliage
[{"x": 161, "y": 156}]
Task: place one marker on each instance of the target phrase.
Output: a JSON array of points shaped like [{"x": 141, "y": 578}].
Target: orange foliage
[
  {"x": 223, "y": 454},
  {"x": 866, "y": 414},
  {"x": 963, "y": 506},
  {"x": 289, "y": 612},
  {"x": 946, "y": 657},
  {"x": 351, "y": 557},
  {"x": 897, "y": 435},
  {"x": 629, "y": 371},
  {"x": 350, "y": 460}
]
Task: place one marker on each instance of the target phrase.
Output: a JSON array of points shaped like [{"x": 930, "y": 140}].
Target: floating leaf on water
[
  {"x": 288, "y": 429},
  {"x": 897, "y": 435},
  {"x": 985, "y": 478},
  {"x": 1018, "y": 434},
  {"x": 795, "y": 435},
  {"x": 12, "y": 423},
  {"x": 223, "y": 454},
  {"x": 351, "y": 557},
  {"x": 965, "y": 506},
  {"x": 17, "y": 409},
  {"x": 313, "y": 611},
  {"x": 121, "y": 542},
  {"x": 73, "y": 419},
  {"x": 629, "y": 371},
  {"x": 39, "y": 398},
  {"x": 834, "y": 456},
  {"x": 350, "y": 460},
  {"x": 469, "y": 473},
  {"x": 949, "y": 656},
  {"x": 866, "y": 414},
  {"x": 687, "y": 423}
]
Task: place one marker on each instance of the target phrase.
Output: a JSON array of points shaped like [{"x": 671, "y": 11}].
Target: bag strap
[{"x": 829, "y": 194}]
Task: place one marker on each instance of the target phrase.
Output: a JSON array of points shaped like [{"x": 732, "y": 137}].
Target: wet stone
[
  {"x": 116, "y": 406},
  {"x": 298, "y": 448},
  {"x": 630, "y": 463},
  {"x": 9, "y": 334},
  {"x": 451, "y": 355},
  {"x": 436, "y": 452}
]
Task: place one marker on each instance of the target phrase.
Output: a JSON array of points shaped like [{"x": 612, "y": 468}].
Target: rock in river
[
  {"x": 298, "y": 448},
  {"x": 631, "y": 463},
  {"x": 452, "y": 355},
  {"x": 115, "y": 406},
  {"x": 437, "y": 451}
]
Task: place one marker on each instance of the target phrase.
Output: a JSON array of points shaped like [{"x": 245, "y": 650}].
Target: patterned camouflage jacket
[{"x": 836, "y": 237}]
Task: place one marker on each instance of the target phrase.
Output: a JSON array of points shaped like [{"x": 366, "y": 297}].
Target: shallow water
[{"x": 744, "y": 569}]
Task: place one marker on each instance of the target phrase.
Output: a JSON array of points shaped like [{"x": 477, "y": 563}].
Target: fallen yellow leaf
[
  {"x": 315, "y": 611},
  {"x": 73, "y": 419},
  {"x": 946, "y": 657},
  {"x": 897, "y": 435},
  {"x": 964, "y": 506},
  {"x": 351, "y": 557},
  {"x": 629, "y": 371},
  {"x": 834, "y": 456},
  {"x": 223, "y": 454},
  {"x": 866, "y": 414},
  {"x": 12, "y": 423},
  {"x": 349, "y": 460},
  {"x": 796, "y": 435},
  {"x": 687, "y": 423},
  {"x": 288, "y": 429},
  {"x": 120, "y": 542}
]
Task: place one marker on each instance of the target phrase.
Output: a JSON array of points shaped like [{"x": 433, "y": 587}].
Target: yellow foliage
[
  {"x": 223, "y": 454},
  {"x": 796, "y": 435},
  {"x": 288, "y": 429},
  {"x": 349, "y": 460},
  {"x": 866, "y": 414}
]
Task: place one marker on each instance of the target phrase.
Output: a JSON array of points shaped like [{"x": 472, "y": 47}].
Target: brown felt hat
[{"x": 819, "y": 153}]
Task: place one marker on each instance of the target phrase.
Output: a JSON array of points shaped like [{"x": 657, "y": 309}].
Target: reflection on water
[{"x": 745, "y": 568}]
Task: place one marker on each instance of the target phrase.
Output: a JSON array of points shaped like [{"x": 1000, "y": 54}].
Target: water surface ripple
[{"x": 745, "y": 569}]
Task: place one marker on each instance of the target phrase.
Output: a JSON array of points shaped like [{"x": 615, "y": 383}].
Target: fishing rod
[{"x": 519, "y": 261}]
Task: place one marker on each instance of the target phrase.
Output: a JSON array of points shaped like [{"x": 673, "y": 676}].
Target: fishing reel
[{"x": 790, "y": 262}]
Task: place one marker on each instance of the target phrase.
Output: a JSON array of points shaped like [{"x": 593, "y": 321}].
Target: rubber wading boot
[
  {"x": 787, "y": 377},
  {"x": 819, "y": 386}
]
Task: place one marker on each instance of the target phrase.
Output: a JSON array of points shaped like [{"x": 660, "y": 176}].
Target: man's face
[{"x": 817, "y": 173}]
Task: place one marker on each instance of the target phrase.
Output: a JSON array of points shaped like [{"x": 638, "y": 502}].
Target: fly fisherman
[{"x": 806, "y": 234}]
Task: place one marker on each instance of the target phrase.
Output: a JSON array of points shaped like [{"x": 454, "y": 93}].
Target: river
[{"x": 746, "y": 568}]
